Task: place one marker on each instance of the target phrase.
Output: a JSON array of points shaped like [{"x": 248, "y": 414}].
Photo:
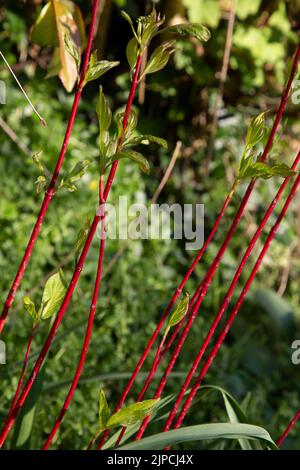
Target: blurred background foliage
[{"x": 178, "y": 104}]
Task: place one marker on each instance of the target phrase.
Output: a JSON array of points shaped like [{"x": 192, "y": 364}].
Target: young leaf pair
[
  {"x": 67, "y": 180},
  {"x": 126, "y": 416},
  {"x": 147, "y": 28},
  {"x": 250, "y": 166}
]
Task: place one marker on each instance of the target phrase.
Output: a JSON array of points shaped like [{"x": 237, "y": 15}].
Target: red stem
[
  {"x": 50, "y": 191},
  {"x": 99, "y": 215},
  {"x": 221, "y": 252},
  {"x": 289, "y": 428},
  {"x": 227, "y": 298},
  {"x": 238, "y": 304},
  {"x": 23, "y": 371}
]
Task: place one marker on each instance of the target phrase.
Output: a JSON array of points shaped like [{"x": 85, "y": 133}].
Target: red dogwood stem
[
  {"x": 50, "y": 191},
  {"x": 289, "y": 428},
  {"x": 99, "y": 215},
  {"x": 237, "y": 306},
  {"x": 227, "y": 298}
]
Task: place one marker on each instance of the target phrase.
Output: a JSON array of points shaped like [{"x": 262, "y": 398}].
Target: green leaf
[
  {"x": 98, "y": 68},
  {"x": 233, "y": 418},
  {"x": 256, "y": 131},
  {"x": 281, "y": 169},
  {"x": 146, "y": 140},
  {"x": 249, "y": 168},
  {"x": 53, "y": 296},
  {"x": 159, "y": 58},
  {"x": 103, "y": 112},
  {"x": 195, "y": 30},
  {"x": 30, "y": 308},
  {"x": 179, "y": 312},
  {"x": 132, "y": 414},
  {"x": 132, "y": 51},
  {"x": 256, "y": 170},
  {"x": 135, "y": 157},
  {"x": 69, "y": 179},
  {"x": 72, "y": 49},
  {"x": 41, "y": 184},
  {"x": 104, "y": 412},
  {"x": 44, "y": 32},
  {"x": 202, "y": 432}
]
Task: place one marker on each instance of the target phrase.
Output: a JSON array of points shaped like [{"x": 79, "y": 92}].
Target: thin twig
[{"x": 42, "y": 120}]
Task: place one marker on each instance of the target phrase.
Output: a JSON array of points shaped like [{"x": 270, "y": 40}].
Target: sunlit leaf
[
  {"x": 132, "y": 414},
  {"x": 97, "y": 68},
  {"x": 30, "y": 308},
  {"x": 281, "y": 169},
  {"x": 69, "y": 179},
  {"x": 44, "y": 32},
  {"x": 249, "y": 168},
  {"x": 160, "y": 58},
  {"x": 41, "y": 184},
  {"x": 53, "y": 296},
  {"x": 256, "y": 131},
  {"x": 104, "y": 411},
  {"x": 179, "y": 312},
  {"x": 72, "y": 50}
]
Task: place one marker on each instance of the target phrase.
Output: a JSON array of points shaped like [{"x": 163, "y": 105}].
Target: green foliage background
[{"x": 255, "y": 363}]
